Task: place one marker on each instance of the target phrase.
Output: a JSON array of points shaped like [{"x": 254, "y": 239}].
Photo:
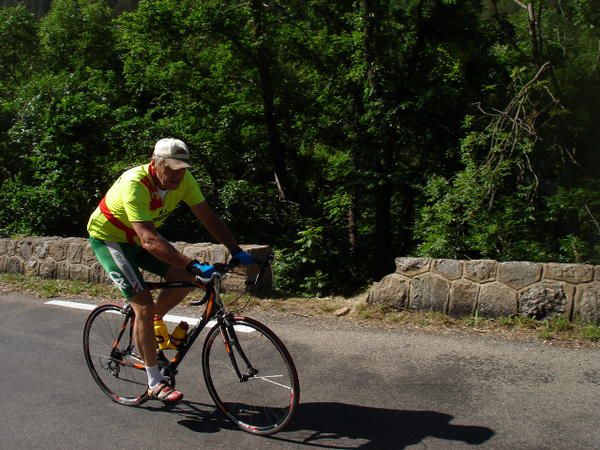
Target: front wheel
[{"x": 250, "y": 375}]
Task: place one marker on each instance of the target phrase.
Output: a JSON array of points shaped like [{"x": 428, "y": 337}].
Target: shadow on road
[
  {"x": 324, "y": 424},
  {"x": 199, "y": 417},
  {"x": 379, "y": 427}
]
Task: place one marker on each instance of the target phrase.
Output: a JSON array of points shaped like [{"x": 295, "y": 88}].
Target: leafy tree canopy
[{"x": 342, "y": 133}]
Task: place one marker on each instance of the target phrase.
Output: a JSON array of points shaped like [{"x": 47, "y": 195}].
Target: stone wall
[
  {"x": 491, "y": 288},
  {"x": 73, "y": 259}
]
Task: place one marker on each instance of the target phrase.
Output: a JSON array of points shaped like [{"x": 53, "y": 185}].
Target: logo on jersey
[{"x": 118, "y": 280}]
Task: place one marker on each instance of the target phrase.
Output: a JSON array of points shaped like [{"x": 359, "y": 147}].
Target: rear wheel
[
  {"x": 112, "y": 356},
  {"x": 262, "y": 398}
]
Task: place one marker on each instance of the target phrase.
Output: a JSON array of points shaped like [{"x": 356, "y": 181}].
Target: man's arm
[
  {"x": 215, "y": 226},
  {"x": 158, "y": 245}
]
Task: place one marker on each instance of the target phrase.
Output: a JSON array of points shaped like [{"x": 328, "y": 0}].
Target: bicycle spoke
[{"x": 289, "y": 388}]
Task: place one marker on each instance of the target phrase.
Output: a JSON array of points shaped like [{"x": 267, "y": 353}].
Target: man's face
[{"x": 167, "y": 177}]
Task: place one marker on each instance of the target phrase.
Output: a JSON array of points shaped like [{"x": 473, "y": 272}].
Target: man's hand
[
  {"x": 201, "y": 270},
  {"x": 242, "y": 257}
]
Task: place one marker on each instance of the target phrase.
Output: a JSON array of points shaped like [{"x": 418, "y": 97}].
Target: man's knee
[{"x": 143, "y": 305}]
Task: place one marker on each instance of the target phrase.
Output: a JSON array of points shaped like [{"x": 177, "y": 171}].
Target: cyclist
[{"x": 123, "y": 235}]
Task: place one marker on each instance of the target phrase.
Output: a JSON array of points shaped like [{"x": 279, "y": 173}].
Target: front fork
[{"x": 226, "y": 324}]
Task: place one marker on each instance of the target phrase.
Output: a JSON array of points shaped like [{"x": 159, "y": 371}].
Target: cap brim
[{"x": 176, "y": 164}]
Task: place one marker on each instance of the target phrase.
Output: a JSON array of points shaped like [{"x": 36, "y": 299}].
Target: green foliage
[
  {"x": 470, "y": 216},
  {"x": 298, "y": 266},
  {"x": 592, "y": 333},
  {"x": 523, "y": 193},
  {"x": 59, "y": 120},
  {"x": 59, "y": 123},
  {"x": 342, "y": 133},
  {"x": 76, "y": 35},
  {"x": 255, "y": 211},
  {"x": 18, "y": 34}
]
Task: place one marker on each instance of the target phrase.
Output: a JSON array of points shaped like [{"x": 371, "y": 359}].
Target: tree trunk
[
  {"x": 533, "y": 34},
  {"x": 384, "y": 259},
  {"x": 263, "y": 61},
  {"x": 352, "y": 230},
  {"x": 373, "y": 12}
]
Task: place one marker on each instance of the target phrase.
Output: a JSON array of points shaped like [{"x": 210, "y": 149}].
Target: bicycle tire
[
  {"x": 111, "y": 355},
  {"x": 263, "y": 404}
]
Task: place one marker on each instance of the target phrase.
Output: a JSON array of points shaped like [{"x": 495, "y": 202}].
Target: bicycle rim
[
  {"x": 267, "y": 401},
  {"x": 112, "y": 357}
]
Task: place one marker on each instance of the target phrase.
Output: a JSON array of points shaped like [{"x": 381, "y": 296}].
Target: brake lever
[{"x": 204, "y": 280}]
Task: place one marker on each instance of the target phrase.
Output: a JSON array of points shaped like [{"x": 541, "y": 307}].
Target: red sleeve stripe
[{"x": 129, "y": 232}]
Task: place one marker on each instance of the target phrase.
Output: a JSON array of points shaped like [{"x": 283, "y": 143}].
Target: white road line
[
  {"x": 189, "y": 320},
  {"x": 168, "y": 318},
  {"x": 88, "y": 307},
  {"x": 67, "y": 304}
]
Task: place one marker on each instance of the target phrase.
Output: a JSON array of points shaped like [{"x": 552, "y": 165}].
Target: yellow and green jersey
[{"x": 134, "y": 197}]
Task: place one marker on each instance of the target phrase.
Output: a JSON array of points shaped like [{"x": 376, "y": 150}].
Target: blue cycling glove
[
  {"x": 200, "y": 269},
  {"x": 241, "y": 256}
]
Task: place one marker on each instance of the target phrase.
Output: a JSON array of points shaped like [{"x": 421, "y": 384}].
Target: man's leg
[
  {"x": 121, "y": 263},
  {"x": 143, "y": 331},
  {"x": 169, "y": 298},
  {"x": 143, "y": 327}
]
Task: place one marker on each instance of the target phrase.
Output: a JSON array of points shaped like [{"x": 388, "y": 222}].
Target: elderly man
[{"x": 124, "y": 238}]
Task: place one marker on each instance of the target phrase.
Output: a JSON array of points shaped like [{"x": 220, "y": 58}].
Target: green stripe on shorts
[{"x": 122, "y": 263}]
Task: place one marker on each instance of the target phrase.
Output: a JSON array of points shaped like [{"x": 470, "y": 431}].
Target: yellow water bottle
[
  {"x": 161, "y": 332},
  {"x": 179, "y": 334}
]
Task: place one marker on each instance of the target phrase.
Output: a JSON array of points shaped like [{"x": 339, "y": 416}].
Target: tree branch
[{"x": 521, "y": 4}]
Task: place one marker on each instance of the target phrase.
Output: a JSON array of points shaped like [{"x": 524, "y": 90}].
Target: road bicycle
[{"x": 248, "y": 371}]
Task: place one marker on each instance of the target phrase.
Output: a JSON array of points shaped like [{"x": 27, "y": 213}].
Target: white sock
[{"x": 154, "y": 376}]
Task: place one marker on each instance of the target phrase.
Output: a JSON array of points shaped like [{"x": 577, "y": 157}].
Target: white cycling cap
[{"x": 174, "y": 152}]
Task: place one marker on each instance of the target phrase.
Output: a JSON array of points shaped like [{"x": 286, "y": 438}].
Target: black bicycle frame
[
  {"x": 227, "y": 332},
  {"x": 209, "y": 313}
]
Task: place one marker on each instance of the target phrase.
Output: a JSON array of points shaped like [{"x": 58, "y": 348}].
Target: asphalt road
[{"x": 361, "y": 389}]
